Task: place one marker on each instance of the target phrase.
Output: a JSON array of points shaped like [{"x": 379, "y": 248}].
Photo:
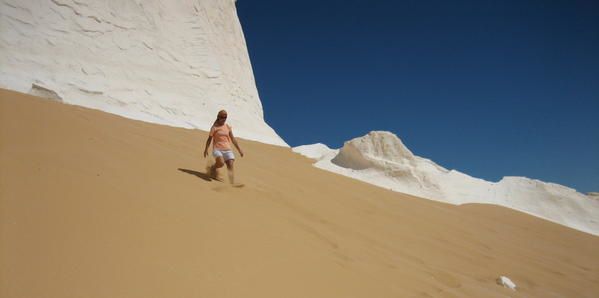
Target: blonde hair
[{"x": 218, "y": 114}]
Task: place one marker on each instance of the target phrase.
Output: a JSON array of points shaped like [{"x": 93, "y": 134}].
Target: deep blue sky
[{"x": 490, "y": 88}]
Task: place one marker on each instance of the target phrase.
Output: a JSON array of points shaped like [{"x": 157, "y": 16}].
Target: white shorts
[{"x": 226, "y": 154}]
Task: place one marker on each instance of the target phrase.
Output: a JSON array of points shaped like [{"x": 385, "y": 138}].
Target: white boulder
[{"x": 506, "y": 283}]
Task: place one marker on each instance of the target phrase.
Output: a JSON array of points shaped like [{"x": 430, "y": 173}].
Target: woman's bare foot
[{"x": 212, "y": 172}]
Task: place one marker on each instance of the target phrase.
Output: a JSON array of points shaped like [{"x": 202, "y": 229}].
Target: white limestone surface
[
  {"x": 314, "y": 151},
  {"x": 173, "y": 62},
  {"x": 506, "y": 282},
  {"x": 380, "y": 158}
]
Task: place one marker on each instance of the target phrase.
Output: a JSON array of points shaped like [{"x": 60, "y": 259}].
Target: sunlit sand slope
[{"x": 95, "y": 205}]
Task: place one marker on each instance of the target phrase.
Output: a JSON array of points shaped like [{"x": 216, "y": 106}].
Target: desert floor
[{"x": 96, "y": 205}]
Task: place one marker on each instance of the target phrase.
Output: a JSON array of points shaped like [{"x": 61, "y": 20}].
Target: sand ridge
[{"x": 96, "y": 205}]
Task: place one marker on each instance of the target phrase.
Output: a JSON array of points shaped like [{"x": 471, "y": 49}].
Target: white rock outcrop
[
  {"x": 380, "y": 158},
  {"x": 506, "y": 283},
  {"x": 170, "y": 62},
  {"x": 314, "y": 151}
]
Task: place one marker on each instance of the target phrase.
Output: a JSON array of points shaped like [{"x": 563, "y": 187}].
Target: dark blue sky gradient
[{"x": 489, "y": 88}]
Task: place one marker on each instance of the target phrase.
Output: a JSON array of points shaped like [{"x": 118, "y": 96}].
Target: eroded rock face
[
  {"x": 373, "y": 150},
  {"x": 171, "y": 62}
]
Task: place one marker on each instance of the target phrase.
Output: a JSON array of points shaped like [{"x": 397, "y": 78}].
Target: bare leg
[
  {"x": 218, "y": 164},
  {"x": 230, "y": 171}
]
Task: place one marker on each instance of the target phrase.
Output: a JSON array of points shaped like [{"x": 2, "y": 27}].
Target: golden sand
[{"x": 96, "y": 205}]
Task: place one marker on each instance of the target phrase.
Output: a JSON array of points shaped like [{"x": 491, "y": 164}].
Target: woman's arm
[
  {"x": 234, "y": 140},
  {"x": 207, "y": 145}
]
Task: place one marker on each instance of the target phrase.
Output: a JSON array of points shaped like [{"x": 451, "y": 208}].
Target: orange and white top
[{"x": 220, "y": 135}]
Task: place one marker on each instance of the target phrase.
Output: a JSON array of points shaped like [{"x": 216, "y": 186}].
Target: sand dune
[{"x": 95, "y": 205}]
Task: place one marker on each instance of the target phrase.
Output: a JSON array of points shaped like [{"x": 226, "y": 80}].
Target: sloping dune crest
[{"x": 95, "y": 205}]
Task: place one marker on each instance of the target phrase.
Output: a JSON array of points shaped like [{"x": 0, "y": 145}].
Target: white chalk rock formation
[
  {"x": 506, "y": 283},
  {"x": 314, "y": 151},
  {"x": 170, "y": 62},
  {"x": 379, "y": 150},
  {"x": 380, "y": 158}
]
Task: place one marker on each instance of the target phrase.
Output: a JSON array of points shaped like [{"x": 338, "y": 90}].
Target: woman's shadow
[{"x": 197, "y": 174}]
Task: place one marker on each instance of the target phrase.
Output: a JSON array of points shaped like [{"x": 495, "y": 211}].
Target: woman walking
[{"x": 222, "y": 135}]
